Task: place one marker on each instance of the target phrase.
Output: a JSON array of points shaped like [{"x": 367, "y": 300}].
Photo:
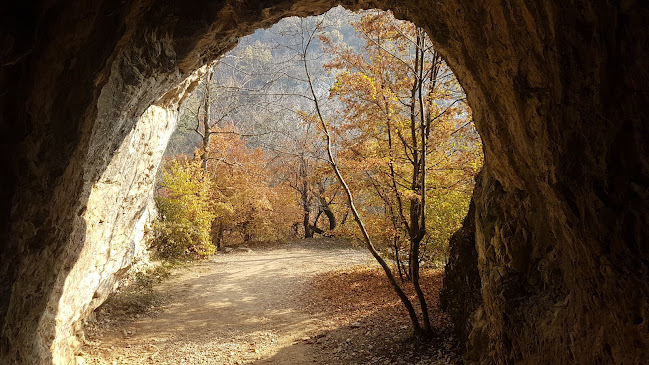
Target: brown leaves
[
  {"x": 363, "y": 294},
  {"x": 369, "y": 313}
]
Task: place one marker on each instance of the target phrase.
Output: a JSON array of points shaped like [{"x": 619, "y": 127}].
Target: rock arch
[{"x": 560, "y": 96}]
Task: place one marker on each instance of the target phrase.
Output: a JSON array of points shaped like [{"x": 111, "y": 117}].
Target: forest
[{"x": 347, "y": 125}]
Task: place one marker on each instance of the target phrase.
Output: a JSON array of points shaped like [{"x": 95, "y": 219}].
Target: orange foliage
[
  {"x": 249, "y": 205},
  {"x": 397, "y": 95}
]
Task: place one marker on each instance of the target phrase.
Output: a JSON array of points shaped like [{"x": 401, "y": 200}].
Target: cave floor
[{"x": 307, "y": 302}]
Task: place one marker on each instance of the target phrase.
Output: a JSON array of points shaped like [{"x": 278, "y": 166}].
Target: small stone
[{"x": 355, "y": 325}]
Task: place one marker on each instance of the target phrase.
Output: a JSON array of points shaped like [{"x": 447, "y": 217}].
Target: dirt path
[
  {"x": 238, "y": 308},
  {"x": 234, "y": 308}
]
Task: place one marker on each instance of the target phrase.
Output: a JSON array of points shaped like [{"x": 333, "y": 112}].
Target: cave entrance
[
  {"x": 247, "y": 167},
  {"x": 558, "y": 90},
  {"x": 378, "y": 83}
]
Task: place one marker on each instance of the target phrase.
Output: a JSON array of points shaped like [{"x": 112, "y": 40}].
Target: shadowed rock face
[
  {"x": 460, "y": 296},
  {"x": 560, "y": 95}
]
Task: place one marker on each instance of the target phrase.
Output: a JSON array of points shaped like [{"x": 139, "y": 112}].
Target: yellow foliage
[
  {"x": 183, "y": 202},
  {"x": 394, "y": 100}
]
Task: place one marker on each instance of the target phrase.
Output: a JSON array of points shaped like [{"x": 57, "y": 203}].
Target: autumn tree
[
  {"x": 300, "y": 164},
  {"x": 299, "y": 157},
  {"x": 234, "y": 90},
  {"x": 404, "y": 130},
  {"x": 247, "y": 202},
  {"x": 184, "y": 203},
  {"x": 308, "y": 34},
  {"x": 405, "y": 112},
  {"x": 233, "y": 104}
]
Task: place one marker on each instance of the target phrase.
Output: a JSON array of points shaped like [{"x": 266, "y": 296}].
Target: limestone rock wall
[
  {"x": 559, "y": 94},
  {"x": 115, "y": 219},
  {"x": 110, "y": 230},
  {"x": 84, "y": 171}
]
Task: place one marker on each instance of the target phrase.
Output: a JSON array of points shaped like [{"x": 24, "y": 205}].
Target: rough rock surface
[
  {"x": 560, "y": 95},
  {"x": 118, "y": 210},
  {"x": 460, "y": 296}
]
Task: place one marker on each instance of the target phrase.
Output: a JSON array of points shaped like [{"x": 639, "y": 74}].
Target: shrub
[
  {"x": 187, "y": 216},
  {"x": 176, "y": 239}
]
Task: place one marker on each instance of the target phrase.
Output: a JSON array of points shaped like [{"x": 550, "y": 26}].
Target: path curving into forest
[{"x": 251, "y": 308}]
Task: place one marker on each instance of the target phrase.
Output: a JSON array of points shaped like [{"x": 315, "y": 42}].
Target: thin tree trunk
[
  {"x": 308, "y": 232},
  {"x": 207, "y": 106},
  {"x": 417, "y": 238},
  {"x": 326, "y": 209},
  {"x": 350, "y": 200},
  {"x": 395, "y": 243},
  {"x": 342, "y": 223},
  {"x": 417, "y": 286},
  {"x": 217, "y": 234},
  {"x": 303, "y": 188}
]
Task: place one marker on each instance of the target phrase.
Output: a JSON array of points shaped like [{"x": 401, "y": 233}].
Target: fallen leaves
[
  {"x": 361, "y": 292},
  {"x": 361, "y": 299}
]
